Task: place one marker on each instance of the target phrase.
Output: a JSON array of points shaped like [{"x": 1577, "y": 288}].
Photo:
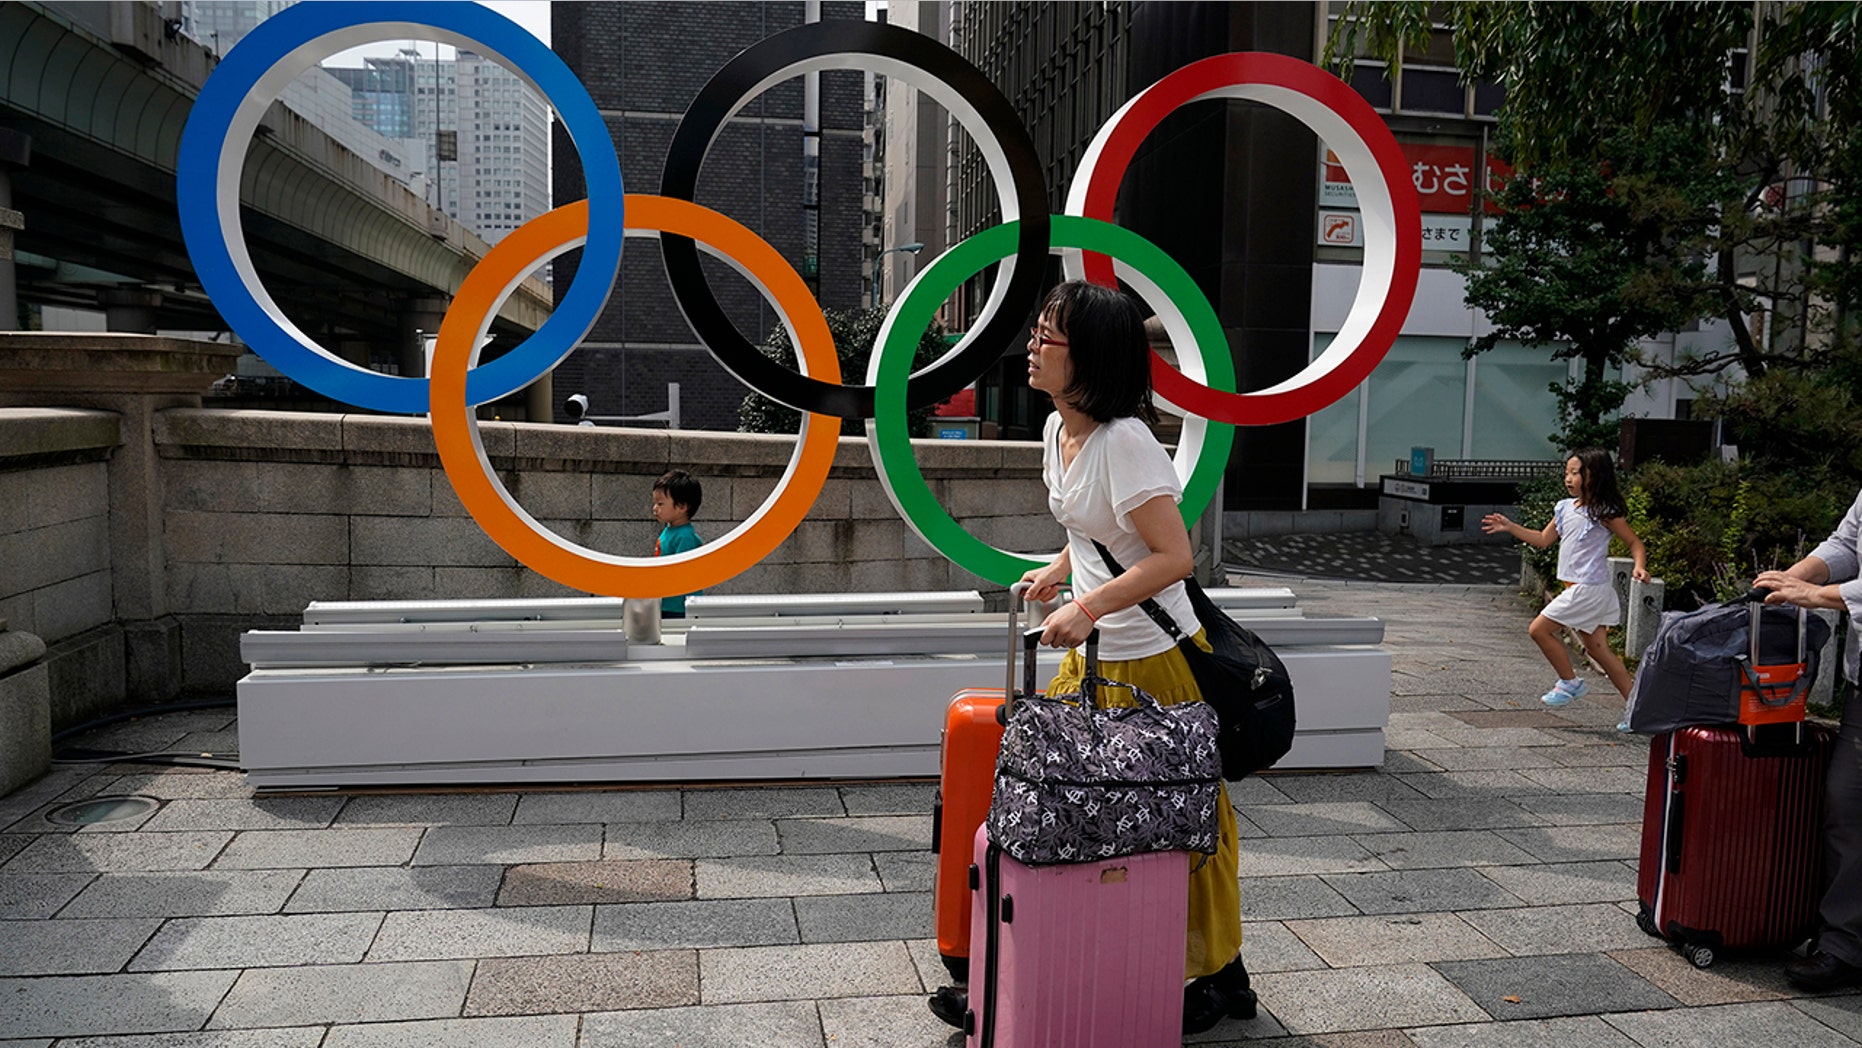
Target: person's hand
[
  {"x": 1043, "y": 583},
  {"x": 1640, "y": 574},
  {"x": 1067, "y": 627},
  {"x": 1495, "y": 523},
  {"x": 1787, "y": 589}
]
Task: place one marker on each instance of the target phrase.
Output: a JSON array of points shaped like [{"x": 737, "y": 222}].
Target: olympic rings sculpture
[{"x": 236, "y": 96}]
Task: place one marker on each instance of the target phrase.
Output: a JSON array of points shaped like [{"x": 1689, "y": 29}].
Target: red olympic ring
[{"x": 1286, "y": 84}]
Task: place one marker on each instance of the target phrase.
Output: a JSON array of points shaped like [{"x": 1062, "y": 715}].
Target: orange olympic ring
[{"x": 462, "y": 451}]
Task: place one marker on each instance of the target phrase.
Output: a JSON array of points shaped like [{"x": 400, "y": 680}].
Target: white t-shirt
[
  {"x": 1583, "y": 545},
  {"x": 1120, "y": 467}
]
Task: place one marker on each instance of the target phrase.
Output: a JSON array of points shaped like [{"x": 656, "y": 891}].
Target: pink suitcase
[{"x": 1080, "y": 955}]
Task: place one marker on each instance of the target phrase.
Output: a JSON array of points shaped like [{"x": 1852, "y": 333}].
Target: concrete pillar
[
  {"x": 419, "y": 321},
  {"x": 1645, "y": 616},
  {"x": 1829, "y": 665},
  {"x": 540, "y": 400},
  {"x": 130, "y": 309},
  {"x": 25, "y": 710},
  {"x": 355, "y": 351},
  {"x": 1622, "y": 571},
  {"x": 15, "y": 151}
]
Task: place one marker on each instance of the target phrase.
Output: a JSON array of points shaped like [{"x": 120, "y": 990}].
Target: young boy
[{"x": 676, "y": 498}]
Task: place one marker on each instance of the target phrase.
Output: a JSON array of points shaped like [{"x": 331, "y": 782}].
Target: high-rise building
[{"x": 643, "y": 63}]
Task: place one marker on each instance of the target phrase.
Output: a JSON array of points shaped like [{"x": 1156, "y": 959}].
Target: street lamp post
[{"x": 878, "y": 265}]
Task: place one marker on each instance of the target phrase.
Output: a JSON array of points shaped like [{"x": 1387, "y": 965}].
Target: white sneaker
[{"x": 1564, "y": 691}]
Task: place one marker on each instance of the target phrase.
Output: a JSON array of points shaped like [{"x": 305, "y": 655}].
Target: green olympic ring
[{"x": 1157, "y": 278}]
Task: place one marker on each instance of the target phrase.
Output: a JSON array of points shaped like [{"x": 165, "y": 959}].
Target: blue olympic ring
[{"x": 229, "y": 109}]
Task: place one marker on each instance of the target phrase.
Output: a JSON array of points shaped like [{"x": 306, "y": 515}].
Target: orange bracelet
[{"x": 1080, "y": 604}]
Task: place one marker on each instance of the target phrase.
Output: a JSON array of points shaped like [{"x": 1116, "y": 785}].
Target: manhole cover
[{"x": 102, "y": 809}]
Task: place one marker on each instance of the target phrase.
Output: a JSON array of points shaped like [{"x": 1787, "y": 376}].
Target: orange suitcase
[{"x": 966, "y": 778}]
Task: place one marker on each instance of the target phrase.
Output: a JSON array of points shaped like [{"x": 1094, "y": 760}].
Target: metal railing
[{"x": 1480, "y": 469}]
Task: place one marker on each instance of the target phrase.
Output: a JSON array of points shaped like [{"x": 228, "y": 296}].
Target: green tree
[
  {"x": 854, "y": 331},
  {"x": 1736, "y": 186}
]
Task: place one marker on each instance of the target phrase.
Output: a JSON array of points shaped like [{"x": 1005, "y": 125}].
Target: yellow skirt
[{"x": 1215, "y": 887}]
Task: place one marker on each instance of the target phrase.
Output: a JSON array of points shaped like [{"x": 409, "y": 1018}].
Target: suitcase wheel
[
  {"x": 1698, "y": 956},
  {"x": 1646, "y": 921}
]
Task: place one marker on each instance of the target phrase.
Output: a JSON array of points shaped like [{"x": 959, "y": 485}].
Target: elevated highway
[{"x": 97, "y": 94}]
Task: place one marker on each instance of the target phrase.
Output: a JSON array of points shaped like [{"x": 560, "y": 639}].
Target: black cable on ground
[{"x": 141, "y": 711}]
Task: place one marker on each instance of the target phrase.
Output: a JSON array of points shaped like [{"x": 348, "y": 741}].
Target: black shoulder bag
[{"x": 1242, "y": 678}]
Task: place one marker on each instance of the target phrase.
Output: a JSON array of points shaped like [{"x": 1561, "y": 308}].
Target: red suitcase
[
  {"x": 1732, "y": 849},
  {"x": 966, "y": 779}
]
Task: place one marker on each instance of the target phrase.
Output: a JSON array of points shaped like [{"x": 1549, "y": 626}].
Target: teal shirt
[{"x": 676, "y": 540}]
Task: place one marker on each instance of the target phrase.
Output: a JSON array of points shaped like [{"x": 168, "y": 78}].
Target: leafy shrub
[{"x": 854, "y": 331}]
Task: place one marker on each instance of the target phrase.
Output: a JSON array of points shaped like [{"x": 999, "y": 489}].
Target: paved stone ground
[
  {"x": 1373, "y": 557},
  {"x": 1477, "y": 889}
]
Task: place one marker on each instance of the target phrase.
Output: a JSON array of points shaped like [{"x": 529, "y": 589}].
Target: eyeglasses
[{"x": 1035, "y": 336}]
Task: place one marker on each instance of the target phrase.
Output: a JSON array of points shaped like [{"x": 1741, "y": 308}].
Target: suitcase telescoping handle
[
  {"x": 1755, "y": 609},
  {"x": 1029, "y": 643}
]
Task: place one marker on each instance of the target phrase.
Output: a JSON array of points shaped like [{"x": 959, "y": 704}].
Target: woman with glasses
[{"x": 1108, "y": 479}]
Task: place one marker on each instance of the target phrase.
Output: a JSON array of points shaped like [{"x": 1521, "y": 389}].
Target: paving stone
[
  {"x": 182, "y": 785},
  {"x": 1397, "y": 762},
  {"x": 396, "y": 888},
  {"x": 773, "y": 875},
  {"x": 1320, "y": 819},
  {"x": 345, "y": 993},
  {"x": 258, "y": 942},
  {"x": 1410, "y": 851},
  {"x": 1842, "y": 1014},
  {"x": 1585, "y": 809},
  {"x": 605, "y": 881},
  {"x": 1765, "y": 1023},
  {"x": 201, "y": 893},
  {"x": 932, "y": 972},
  {"x": 31, "y": 896},
  {"x": 1542, "y": 987},
  {"x": 509, "y": 931},
  {"x": 297, "y": 1037},
  {"x": 1385, "y": 996},
  {"x": 802, "y": 973},
  {"x": 1290, "y": 898},
  {"x": 598, "y": 806},
  {"x": 881, "y": 1022},
  {"x": 1344, "y": 787},
  {"x": 429, "y": 809},
  {"x": 503, "y": 845},
  {"x": 1267, "y": 946},
  {"x": 863, "y": 918},
  {"x": 1591, "y": 780},
  {"x": 1492, "y": 758},
  {"x": 1461, "y": 813},
  {"x": 1734, "y": 978},
  {"x": 689, "y": 840},
  {"x": 1508, "y": 718},
  {"x": 41, "y": 821},
  {"x": 1586, "y": 1031},
  {"x": 1260, "y": 789},
  {"x": 1415, "y": 739},
  {"x": 304, "y": 849},
  {"x": 1283, "y": 856},
  {"x": 71, "y": 947},
  {"x": 1566, "y": 882},
  {"x": 1420, "y": 891},
  {"x": 12, "y": 844},
  {"x": 701, "y": 923},
  {"x": 763, "y": 803},
  {"x": 1559, "y": 929},
  {"x": 118, "y": 853},
  {"x": 536, "y": 1031},
  {"x": 906, "y": 871},
  {"x": 1578, "y": 843},
  {"x": 1486, "y": 784},
  {"x": 584, "y": 983},
  {"x": 1349, "y": 942},
  {"x": 1610, "y": 755},
  {"x": 903, "y": 798},
  {"x": 791, "y": 1024},
  {"x": 1462, "y": 735},
  {"x": 260, "y": 813},
  {"x": 75, "y": 1006},
  {"x": 866, "y": 833}
]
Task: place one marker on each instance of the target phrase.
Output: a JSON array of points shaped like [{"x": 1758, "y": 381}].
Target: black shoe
[
  {"x": 1822, "y": 971},
  {"x": 951, "y": 1003},
  {"x": 1210, "y": 999}
]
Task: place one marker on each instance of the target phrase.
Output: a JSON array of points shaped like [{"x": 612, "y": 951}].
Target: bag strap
[{"x": 1149, "y": 604}]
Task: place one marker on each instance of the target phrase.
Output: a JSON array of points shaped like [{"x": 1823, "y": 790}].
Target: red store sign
[{"x": 1444, "y": 178}]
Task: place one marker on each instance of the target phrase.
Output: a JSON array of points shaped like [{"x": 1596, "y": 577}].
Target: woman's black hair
[
  {"x": 1599, "y": 496},
  {"x": 1106, "y": 344},
  {"x": 682, "y": 489}
]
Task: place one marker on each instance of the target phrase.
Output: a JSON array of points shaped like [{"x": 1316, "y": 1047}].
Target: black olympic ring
[{"x": 957, "y": 84}]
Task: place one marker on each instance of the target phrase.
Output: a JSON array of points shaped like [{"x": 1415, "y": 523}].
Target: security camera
[{"x": 576, "y": 406}]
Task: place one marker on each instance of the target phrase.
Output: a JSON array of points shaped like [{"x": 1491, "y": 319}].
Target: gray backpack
[{"x": 1693, "y": 671}]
